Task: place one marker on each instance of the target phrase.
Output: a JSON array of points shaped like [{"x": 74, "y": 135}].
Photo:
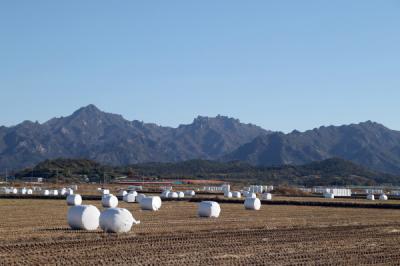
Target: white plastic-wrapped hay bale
[
  {"x": 129, "y": 198},
  {"x": 133, "y": 192},
  {"x": 251, "y": 195},
  {"x": 181, "y": 194},
  {"x": 383, "y": 197},
  {"x": 173, "y": 195},
  {"x": 74, "y": 200},
  {"x": 370, "y": 197},
  {"x": 116, "y": 220},
  {"x": 209, "y": 209},
  {"x": 105, "y": 191},
  {"x": 14, "y": 191},
  {"x": 23, "y": 191},
  {"x": 70, "y": 191},
  {"x": 122, "y": 193},
  {"x": 83, "y": 217},
  {"x": 236, "y": 194},
  {"x": 165, "y": 194},
  {"x": 46, "y": 192},
  {"x": 150, "y": 203},
  {"x": 54, "y": 192},
  {"x": 109, "y": 201},
  {"x": 266, "y": 196},
  {"x": 190, "y": 193},
  {"x": 228, "y": 194},
  {"x": 328, "y": 195},
  {"x": 252, "y": 204},
  {"x": 62, "y": 192},
  {"x": 29, "y": 191},
  {"x": 139, "y": 197}
]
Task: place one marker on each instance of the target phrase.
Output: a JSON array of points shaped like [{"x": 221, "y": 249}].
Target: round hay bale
[
  {"x": 151, "y": 203},
  {"x": 29, "y": 191},
  {"x": 54, "y": 192},
  {"x": 209, "y": 209},
  {"x": 116, "y": 220},
  {"x": 190, "y": 193},
  {"x": 74, "y": 200},
  {"x": 46, "y": 192},
  {"x": 129, "y": 198},
  {"x": 70, "y": 191},
  {"x": 173, "y": 195},
  {"x": 266, "y": 196},
  {"x": 228, "y": 194},
  {"x": 252, "y": 204},
  {"x": 383, "y": 197},
  {"x": 63, "y": 191},
  {"x": 122, "y": 193},
  {"x": 133, "y": 192},
  {"x": 370, "y": 197},
  {"x": 236, "y": 194},
  {"x": 23, "y": 191},
  {"x": 83, "y": 217},
  {"x": 165, "y": 194},
  {"x": 105, "y": 191},
  {"x": 251, "y": 195},
  {"x": 181, "y": 194},
  {"x": 14, "y": 191},
  {"x": 329, "y": 195},
  {"x": 139, "y": 197},
  {"x": 109, "y": 201}
]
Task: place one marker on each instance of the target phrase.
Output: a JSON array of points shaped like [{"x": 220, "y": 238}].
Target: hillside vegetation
[{"x": 327, "y": 172}]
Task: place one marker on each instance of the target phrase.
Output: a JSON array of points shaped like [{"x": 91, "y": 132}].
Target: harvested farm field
[{"x": 36, "y": 232}]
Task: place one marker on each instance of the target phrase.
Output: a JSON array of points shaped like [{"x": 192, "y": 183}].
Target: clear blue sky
[{"x": 282, "y": 65}]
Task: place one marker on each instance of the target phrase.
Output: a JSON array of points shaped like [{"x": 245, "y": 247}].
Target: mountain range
[{"x": 111, "y": 139}]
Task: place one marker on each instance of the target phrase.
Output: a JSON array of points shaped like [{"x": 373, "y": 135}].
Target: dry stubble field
[{"x": 36, "y": 232}]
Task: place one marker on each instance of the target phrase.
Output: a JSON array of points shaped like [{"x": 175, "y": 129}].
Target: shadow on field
[{"x": 67, "y": 230}]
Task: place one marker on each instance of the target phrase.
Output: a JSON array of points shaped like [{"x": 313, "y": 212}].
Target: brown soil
[{"x": 36, "y": 232}]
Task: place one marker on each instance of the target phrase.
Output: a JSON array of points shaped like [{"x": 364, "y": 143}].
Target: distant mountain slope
[
  {"x": 333, "y": 171},
  {"x": 369, "y": 144},
  {"x": 109, "y": 138}
]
